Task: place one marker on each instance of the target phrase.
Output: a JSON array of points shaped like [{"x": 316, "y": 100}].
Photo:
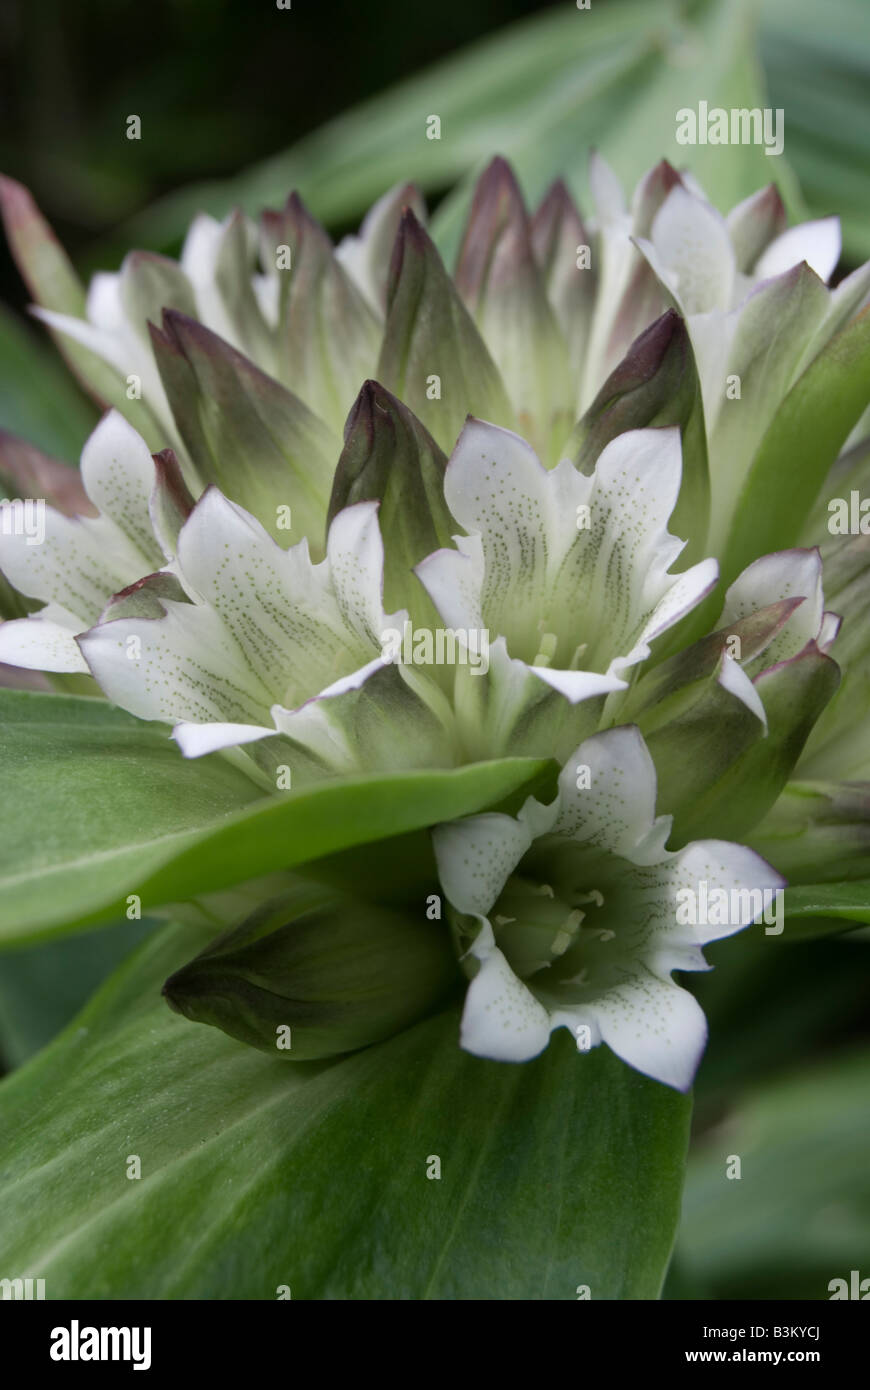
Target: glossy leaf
[
  {"x": 557, "y": 1174},
  {"x": 100, "y": 806}
]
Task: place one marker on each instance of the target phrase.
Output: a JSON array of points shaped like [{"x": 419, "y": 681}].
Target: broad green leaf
[
  {"x": 819, "y": 73},
  {"x": 799, "y": 447},
  {"x": 837, "y": 903},
  {"x": 44, "y": 986},
  {"x": 799, "y": 1215},
  {"x": 92, "y": 796},
  {"x": 560, "y": 1173},
  {"x": 99, "y": 806}
]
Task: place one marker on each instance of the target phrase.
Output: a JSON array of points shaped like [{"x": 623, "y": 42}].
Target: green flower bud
[{"x": 314, "y": 974}]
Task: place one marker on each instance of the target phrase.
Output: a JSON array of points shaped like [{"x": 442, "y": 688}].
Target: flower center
[{"x": 535, "y": 926}]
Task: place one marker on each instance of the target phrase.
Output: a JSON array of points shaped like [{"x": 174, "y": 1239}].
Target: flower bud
[{"x": 316, "y": 973}]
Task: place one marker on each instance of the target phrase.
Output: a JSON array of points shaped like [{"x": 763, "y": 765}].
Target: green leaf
[
  {"x": 92, "y": 796},
  {"x": 800, "y": 1214},
  {"x": 801, "y": 444},
  {"x": 836, "y": 902},
  {"x": 820, "y": 75},
  {"x": 43, "y": 987},
  {"x": 38, "y": 401},
  {"x": 562, "y": 1172},
  {"x": 99, "y": 806}
]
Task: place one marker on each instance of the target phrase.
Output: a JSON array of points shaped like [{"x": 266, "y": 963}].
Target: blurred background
[{"x": 239, "y": 102}]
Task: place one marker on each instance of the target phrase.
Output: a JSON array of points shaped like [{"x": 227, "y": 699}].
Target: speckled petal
[{"x": 502, "y": 1019}]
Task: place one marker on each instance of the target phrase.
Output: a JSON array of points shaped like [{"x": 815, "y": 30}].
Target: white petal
[
  {"x": 355, "y": 552},
  {"x": 43, "y": 642},
  {"x": 496, "y": 486},
  {"x": 185, "y": 667},
  {"x": 720, "y": 865},
  {"x": 280, "y": 610},
  {"x": 98, "y": 340},
  {"x": 654, "y": 1026},
  {"x": 199, "y": 261},
  {"x": 831, "y": 624},
  {"x": 734, "y": 679},
  {"x": 354, "y": 680},
  {"x": 817, "y": 243},
  {"x": 616, "y": 811},
  {"x": 119, "y": 476},
  {"x": 784, "y": 574},
  {"x": 453, "y": 579},
  {"x": 578, "y": 685},
  {"x": 475, "y": 857},
  {"x": 693, "y": 246},
  {"x": 619, "y": 568},
  {"x": 366, "y": 257},
  {"x": 685, "y": 592},
  {"x": 195, "y": 740},
  {"x": 105, "y": 304},
  {"x": 79, "y": 564},
  {"x": 502, "y": 1019}
]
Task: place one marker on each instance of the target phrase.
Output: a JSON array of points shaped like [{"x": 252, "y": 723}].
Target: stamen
[{"x": 549, "y": 642}]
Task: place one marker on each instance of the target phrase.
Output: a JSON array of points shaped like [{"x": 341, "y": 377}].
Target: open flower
[
  {"x": 569, "y": 575},
  {"x": 81, "y": 561},
  {"x": 257, "y": 642},
  {"x": 574, "y": 915}
]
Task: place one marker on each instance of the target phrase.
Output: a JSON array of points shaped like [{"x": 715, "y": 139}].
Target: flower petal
[
  {"x": 817, "y": 243},
  {"x": 183, "y": 667},
  {"x": 502, "y": 1019},
  {"x": 196, "y": 740},
  {"x": 653, "y": 1025},
  {"x": 616, "y": 811},
  {"x": 783, "y": 575},
  {"x": 43, "y": 642},
  {"x": 720, "y": 865},
  {"x": 475, "y": 857},
  {"x": 693, "y": 250}
]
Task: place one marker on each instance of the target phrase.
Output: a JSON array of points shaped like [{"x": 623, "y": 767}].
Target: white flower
[
  {"x": 83, "y": 561},
  {"x": 753, "y": 293},
  {"x": 572, "y": 911},
  {"x": 569, "y": 574},
  {"x": 260, "y": 641}
]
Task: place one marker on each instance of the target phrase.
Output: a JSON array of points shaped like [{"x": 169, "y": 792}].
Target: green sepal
[
  {"x": 390, "y": 457},
  {"x": 433, "y": 357},
  {"x": 255, "y": 440}
]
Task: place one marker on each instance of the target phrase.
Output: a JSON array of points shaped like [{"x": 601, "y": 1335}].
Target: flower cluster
[{"x": 541, "y": 458}]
